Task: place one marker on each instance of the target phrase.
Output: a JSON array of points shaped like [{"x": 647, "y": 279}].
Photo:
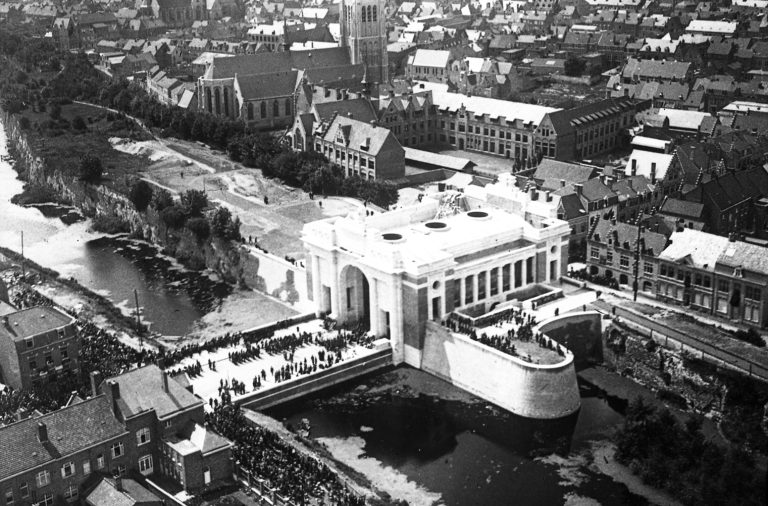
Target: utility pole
[
  {"x": 23, "y": 267},
  {"x": 138, "y": 319},
  {"x": 637, "y": 256}
]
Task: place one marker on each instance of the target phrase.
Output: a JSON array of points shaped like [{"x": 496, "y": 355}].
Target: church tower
[{"x": 364, "y": 32}]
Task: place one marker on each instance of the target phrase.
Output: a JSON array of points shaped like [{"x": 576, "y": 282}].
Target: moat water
[
  {"x": 171, "y": 298},
  {"x": 449, "y": 448}
]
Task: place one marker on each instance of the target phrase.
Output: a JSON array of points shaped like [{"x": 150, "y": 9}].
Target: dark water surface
[
  {"x": 171, "y": 298},
  {"x": 471, "y": 453}
]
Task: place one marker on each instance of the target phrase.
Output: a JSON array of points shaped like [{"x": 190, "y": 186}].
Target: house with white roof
[
  {"x": 709, "y": 27},
  {"x": 428, "y": 64}
]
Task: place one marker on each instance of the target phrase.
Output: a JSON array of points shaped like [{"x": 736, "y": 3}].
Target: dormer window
[{"x": 738, "y": 273}]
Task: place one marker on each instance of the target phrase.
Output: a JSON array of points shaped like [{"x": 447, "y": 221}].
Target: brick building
[
  {"x": 715, "y": 275},
  {"x": 37, "y": 346}
]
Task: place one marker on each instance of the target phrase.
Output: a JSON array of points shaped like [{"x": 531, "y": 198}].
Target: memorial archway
[{"x": 355, "y": 296}]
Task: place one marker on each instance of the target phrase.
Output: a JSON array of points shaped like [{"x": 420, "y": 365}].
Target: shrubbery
[{"x": 669, "y": 455}]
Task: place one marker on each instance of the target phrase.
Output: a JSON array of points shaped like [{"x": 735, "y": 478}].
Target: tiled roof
[
  {"x": 684, "y": 208},
  {"x": 656, "y": 69},
  {"x": 624, "y": 235},
  {"x": 358, "y": 133},
  {"x": 278, "y": 84},
  {"x": 70, "y": 430},
  {"x": 261, "y": 63},
  {"x": 359, "y": 108},
  {"x": 105, "y": 494},
  {"x": 751, "y": 257},
  {"x": 33, "y": 321},
  {"x": 566, "y": 119},
  {"x": 556, "y": 170},
  {"x": 142, "y": 389},
  {"x": 701, "y": 248},
  {"x": 204, "y": 440}
]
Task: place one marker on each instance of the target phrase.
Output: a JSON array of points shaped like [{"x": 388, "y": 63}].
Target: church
[{"x": 266, "y": 90}]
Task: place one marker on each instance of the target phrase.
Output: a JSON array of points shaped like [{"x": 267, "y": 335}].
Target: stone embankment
[{"x": 223, "y": 257}]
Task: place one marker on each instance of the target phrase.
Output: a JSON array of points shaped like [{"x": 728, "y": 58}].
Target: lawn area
[{"x": 62, "y": 146}]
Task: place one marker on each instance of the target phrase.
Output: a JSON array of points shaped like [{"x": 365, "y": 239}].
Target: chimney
[
  {"x": 634, "y": 167},
  {"x": 578, "y": 187},
  {"x": 114, "y": 389},
  {"x": 42, "y": 432},
  {"x": 562, "y": 183},
  {"x": 653, "y": 172},
  {"x": 531, "y": 193},
  {"x": 95, "y": 380},
  {"x": 349, "y": 114},
  {"x": 165, "y": 380},
  {"x": 549, "y": 195},
  {"x": 118, "y": 483}
]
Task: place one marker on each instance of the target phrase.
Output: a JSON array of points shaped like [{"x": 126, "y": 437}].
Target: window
[
  {"x": 47, "y": 500},
  {"x": 648, "y": 268},
  {"x": 32, "y": 365},
  {"x": 71, "y": 493},
  {"x": 722, "y": 285},
  {"x": 9, "y": 497},
  {"x": 120, "y": 470},
  {"x": 494, "y": 281},
  {"x": 142, "y": 436},
  {"x": 24, "y": 489},
  {"x": 30, "y": 343},
  {"x": 86, "y": 467},
  {"x": 43, "y": 478},
  {"x": 752, "y": 293},
  {"x": 168, "y": 424},
  {"x": 609, "y": 257},
  {"x": 506, "y": 277},
  {"x": 64, "y": 352},
  {"x": 595, "y": 253},
  {"x": 468, "y": 290},
  {"x": 145, "y": 464},
  {"x": 68, "y": 469},
  {"x": 117, "y": 450},
  {"x": 263, "y": 109},
  {"x": 100, "y": 461},
  {"x": 697, "y": 279},
  {"x": 481, "y": 282}
]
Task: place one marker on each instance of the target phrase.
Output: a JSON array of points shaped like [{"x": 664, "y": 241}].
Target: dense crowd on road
[{"x": 264, "y": 454}]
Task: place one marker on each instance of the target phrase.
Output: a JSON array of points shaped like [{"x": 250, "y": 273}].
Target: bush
[
  {"x": 35, "y": 194},
  {"x": 200, "y": 227},
  {"x": 750, "y": 336},
  {"x": 161, "y": 199},
  {"x": 194, "y": 202},
  {"x": 91, "y": 169},
  {"x": 223, "y": 226},
  {"x": 24, "y": 123},
  {"x": 173, "y": 216},
  {"x": 110, "y": 224},
  {"x": 141, "y": 195},
  {"x": 78, "y": 123}
]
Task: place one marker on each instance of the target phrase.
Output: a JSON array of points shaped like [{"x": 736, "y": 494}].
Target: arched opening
[
  {"x": 355, "y": 301},
  {"x": 275, "y": 109},
  {"x": 287, "y": 106},
  {"x": 217, "y": 100},
  {"x": 250, "y": 111},
  {"x": 263, "y": 110},
  {"x": 226, "y": 101},
  {"x": 208, "y": 103},
  {"x": 623, "y": 279},
  {"x": 298, "y": 140},
  {"x": 647, "y": 286},
  {"x": 608, "y": 273},
  {"x": 593, "y": 269}
]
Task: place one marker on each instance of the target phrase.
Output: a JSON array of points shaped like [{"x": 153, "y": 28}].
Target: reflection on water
[
  {"x": 466, "y": 452},
  {"x": 171, "y": 298}
]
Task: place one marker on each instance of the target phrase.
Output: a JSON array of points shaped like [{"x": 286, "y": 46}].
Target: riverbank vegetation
[
  {"x": 676, "y": 457},
  {"x": 39, "y": 81}
]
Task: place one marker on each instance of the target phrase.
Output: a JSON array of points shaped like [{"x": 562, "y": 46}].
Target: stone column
[
  {"x": 316, "y": 284},
  {"x": 523, "y": 268},
  {"x": 462, "y": 292},
  {"x": 396, "y": 322},
  {"x": 374, "y": 306},
  {"x": 474, "y": 287},
  {"x": 335, "y": 290}
]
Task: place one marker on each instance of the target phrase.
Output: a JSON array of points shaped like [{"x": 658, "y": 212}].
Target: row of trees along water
[{"x": 27, "y": 59}]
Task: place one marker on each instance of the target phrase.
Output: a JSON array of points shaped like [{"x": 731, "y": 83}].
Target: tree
[
  {"x": 141, "y": 195},
  {"x": 173, "y": 216},
  {"x": 24, "y": 122},
  {"x": 78, "y": 123},
  {"x": 223, "y": 226},
  {"x": 90, "y": 168},
  {"x": 54, "y": 110},
  {"x": 194, "y": 201},
  {"x": 200, "y": 227},
  {"x": 574, "y": 66},
  {"x": 162, "y": 199}
]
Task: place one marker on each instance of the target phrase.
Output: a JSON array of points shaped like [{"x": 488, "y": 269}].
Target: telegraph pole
[
  {"x": 23, "y": 266},
  {"x": 637, "y": 257},
  {"x": 138, "y": 319}
]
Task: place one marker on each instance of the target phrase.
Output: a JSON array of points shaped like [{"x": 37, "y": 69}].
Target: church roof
[{"x": 263, "y": 63}]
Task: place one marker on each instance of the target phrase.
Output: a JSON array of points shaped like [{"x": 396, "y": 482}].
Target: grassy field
[{"x": 61, "y": 146}]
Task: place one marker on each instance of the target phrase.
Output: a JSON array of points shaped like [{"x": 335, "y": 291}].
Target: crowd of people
[
  {"x": 513, "y": 324},
  {"x": 264, "y": 454}
]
